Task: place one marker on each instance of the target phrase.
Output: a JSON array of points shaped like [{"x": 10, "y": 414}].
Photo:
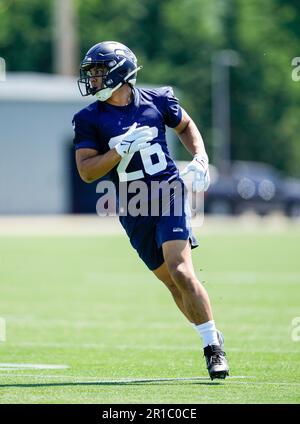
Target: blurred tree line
[{"x": 174, "y": 40}]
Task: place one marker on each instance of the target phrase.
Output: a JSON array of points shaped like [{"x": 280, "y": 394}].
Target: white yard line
[{"x": 16, "y": 366}]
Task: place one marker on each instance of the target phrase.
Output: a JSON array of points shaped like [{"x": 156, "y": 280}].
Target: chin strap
[{"x": 105, "y": 93}]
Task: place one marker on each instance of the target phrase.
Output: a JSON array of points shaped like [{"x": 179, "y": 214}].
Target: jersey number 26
[{"x": 146, "y": 155}]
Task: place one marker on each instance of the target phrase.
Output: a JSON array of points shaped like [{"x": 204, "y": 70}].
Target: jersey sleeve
[
  {"x": 172, "y": 109},
  {"x": 85, "y": 134}
]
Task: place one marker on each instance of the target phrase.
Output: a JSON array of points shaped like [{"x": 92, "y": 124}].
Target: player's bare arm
[
  {"x": 189, "y": 135},
  {"x": 92, "y": 166}
]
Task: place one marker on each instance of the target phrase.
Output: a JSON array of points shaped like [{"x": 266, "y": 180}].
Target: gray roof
[{"x": 40, "y": 87}]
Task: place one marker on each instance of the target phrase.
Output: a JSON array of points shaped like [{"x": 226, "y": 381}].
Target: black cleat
[{"x": 216, "y": 363}]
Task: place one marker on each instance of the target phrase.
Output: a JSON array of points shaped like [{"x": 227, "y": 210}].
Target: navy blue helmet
[{"x": 114, "y": 62}]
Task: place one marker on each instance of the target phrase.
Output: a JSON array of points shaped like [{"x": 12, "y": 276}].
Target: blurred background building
[{"x": 233, "y": 63}]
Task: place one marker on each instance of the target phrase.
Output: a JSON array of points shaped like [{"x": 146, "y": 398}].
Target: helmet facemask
[{"x": 90, "y": 72}]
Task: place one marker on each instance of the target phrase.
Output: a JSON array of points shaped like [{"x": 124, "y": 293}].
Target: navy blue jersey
[{"x": 101, "y": 126}]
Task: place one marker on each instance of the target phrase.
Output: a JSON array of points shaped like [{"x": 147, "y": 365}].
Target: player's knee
[
  {"x": 177, "y": 270},
  {"x": 183, "y": 277}
]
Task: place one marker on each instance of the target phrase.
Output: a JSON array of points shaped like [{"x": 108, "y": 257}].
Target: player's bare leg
[
  {"x": 196, "y": 304},
  {"x": 162, "y": 273},
  {"x": 177, "y": 254}
]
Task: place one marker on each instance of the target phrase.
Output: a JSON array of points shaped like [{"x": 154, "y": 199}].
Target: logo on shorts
[{"x": 177, "y": 230}]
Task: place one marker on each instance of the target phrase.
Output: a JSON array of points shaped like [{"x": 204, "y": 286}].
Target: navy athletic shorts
[{"x": 148, "y": 233}]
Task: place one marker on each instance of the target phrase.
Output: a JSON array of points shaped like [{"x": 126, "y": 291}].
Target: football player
[{"x": 122, "y": 135}]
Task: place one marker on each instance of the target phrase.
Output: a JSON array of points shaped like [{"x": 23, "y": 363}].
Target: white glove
[
  {"x": 199, "y": 166},
  {"x": 134, "y": 140}
]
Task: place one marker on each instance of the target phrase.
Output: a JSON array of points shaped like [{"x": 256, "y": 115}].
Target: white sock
[{"x": 208, "y": 332}]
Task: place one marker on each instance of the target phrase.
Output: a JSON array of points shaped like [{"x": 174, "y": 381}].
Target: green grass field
[{"x": 89, "y": 303}]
